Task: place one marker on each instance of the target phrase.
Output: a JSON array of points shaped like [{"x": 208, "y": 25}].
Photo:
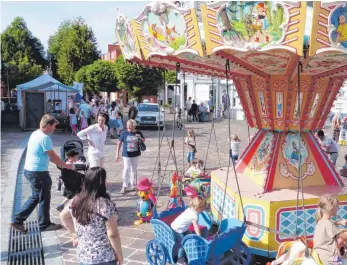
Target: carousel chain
[
  {"x": 300, "y": 180},
  {"x": 227, "y": 69}
]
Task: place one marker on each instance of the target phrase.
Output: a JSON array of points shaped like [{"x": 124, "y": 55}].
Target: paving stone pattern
[{"x": 133, "y": 238}]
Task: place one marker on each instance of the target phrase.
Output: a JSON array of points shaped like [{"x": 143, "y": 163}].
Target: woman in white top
[{"x": 96, "y": 136}]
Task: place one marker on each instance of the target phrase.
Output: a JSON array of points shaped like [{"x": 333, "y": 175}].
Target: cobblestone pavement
[{"x": 133, "y": 238}]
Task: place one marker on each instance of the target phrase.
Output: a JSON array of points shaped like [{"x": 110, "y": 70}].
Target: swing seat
[
  {"x": 202, "y": 251},
  {"x": 165, "y": 239},
  {"x": 202, "y": 228}
]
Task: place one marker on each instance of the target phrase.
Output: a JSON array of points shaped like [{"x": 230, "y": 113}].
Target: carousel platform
[{"x": 275, "y": 209}]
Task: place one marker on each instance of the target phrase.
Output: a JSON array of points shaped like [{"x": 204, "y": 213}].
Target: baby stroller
[
  {"x": 76, "y": 145},
  {"x": 70, "y": 181}
]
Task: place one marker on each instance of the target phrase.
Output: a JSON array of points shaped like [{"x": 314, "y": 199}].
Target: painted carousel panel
[
  {"x": 126, "y": 38},
  {"x": 164, "y": 28},
  {"x": 329, "y": 27},
  {"x": 260, "y": 25}
]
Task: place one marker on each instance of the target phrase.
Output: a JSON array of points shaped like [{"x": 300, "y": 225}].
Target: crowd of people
[{"x": 82, "y": 114}]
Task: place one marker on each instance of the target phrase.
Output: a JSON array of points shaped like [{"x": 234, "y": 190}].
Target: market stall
[{"x": 33, "y": 98}]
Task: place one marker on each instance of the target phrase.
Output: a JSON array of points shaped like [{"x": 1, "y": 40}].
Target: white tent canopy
[{"x": 44, "y": 83}]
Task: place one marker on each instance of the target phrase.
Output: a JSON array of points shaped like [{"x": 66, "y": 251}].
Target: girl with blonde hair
[
  {"x": 234, "y": 147},
  {"x": 328, "y": 239},
  {"x": 190, "y": 141},
  {"x": 182, "y": 223}
]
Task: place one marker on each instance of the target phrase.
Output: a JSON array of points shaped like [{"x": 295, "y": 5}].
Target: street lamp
[{"x": 8, "y": 85}]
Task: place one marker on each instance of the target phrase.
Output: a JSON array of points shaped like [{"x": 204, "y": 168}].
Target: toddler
[
  {"x": 195, "y": 170},
  {"x": 72, "y": 157},
  {"x": 73, "y": 121},
  {"x": 84, "y": 122},
  {"x": 182, "y": 223},
  {"x": 190, "y": 141},
  {"x": 234, "y": 147},
  {"x": 328, "y": 239},
  {"x": 119, "y": 123},
  {"x": 113, "y": 123}
]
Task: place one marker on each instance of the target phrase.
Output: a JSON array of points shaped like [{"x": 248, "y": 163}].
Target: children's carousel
[{"x": 287, "y": 84}]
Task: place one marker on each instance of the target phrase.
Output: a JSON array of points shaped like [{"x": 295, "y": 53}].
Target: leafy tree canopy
[
  {"x": 22, "y": 53},
  {"x": 170, "y": 77},
  {"x": 99, "y": 76},
  {"x": 138, "y": 81},
  {"x": 70, "y": 48}
]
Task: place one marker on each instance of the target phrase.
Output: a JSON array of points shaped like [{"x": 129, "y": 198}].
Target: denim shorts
[{"x": 190, "y": 156}]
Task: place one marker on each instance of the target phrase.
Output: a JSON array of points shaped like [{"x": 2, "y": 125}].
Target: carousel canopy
[{"x": 285, "y": 80}]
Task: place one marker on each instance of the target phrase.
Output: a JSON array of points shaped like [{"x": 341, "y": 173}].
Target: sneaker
[
  {"x": 19, "y": 227},
  {"x": 52, "y": 227},
  {"x": 60, "y": 207},
  {"x": 122, "y": 191}
]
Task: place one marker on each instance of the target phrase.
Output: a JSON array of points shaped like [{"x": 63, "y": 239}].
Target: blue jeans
[
  {"x": 203, "y": 114},
  {"x": 235, "y": 158},
  {"x": 40, "y": 183},
  {"x": 112, "y": 262},
  {"x": 181, "y": 254},
  {"x": 190, "y": 156}
]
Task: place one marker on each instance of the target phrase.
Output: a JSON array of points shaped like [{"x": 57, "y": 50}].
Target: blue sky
[{"x": 43, "y": 18}]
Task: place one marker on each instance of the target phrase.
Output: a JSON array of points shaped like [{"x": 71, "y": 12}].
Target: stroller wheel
[
  {"x": 59, "y": 184},
  {"x": 62, "y": 188}
]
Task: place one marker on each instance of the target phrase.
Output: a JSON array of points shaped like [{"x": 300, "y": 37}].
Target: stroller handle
[{"x": 74, "y": 142}]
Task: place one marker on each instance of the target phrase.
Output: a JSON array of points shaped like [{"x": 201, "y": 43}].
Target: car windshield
[{"x": 145, "y": 107}]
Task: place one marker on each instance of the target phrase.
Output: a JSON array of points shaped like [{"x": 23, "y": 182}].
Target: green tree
[
  {"x": 170, "y": 77},
  {"x": 136, "y": 80},
  {"x": 22, "y": 53},
  {"x": 72, "y": 47},
  {"x": 98, "y": 76},
  {"x": 81, "y": 76}
]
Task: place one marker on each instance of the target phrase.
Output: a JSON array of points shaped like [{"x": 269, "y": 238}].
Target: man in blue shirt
[
  {"x": 86, "y": 110},
  {"x": 39, "y": 153}
]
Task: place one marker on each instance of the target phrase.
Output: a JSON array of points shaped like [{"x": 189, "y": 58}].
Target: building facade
[{"x": 113, "y": 52}]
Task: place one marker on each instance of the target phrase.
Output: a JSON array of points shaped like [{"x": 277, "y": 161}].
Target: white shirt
[
  {"x": 182, "y": 223},
  {"x": 97, "y": 136},
  {"x": 193, "y": 172},
  {"x": 112, "y": 113},
  {"x": 235, "y": 147},
  {"x": 189, "y": 104}
]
